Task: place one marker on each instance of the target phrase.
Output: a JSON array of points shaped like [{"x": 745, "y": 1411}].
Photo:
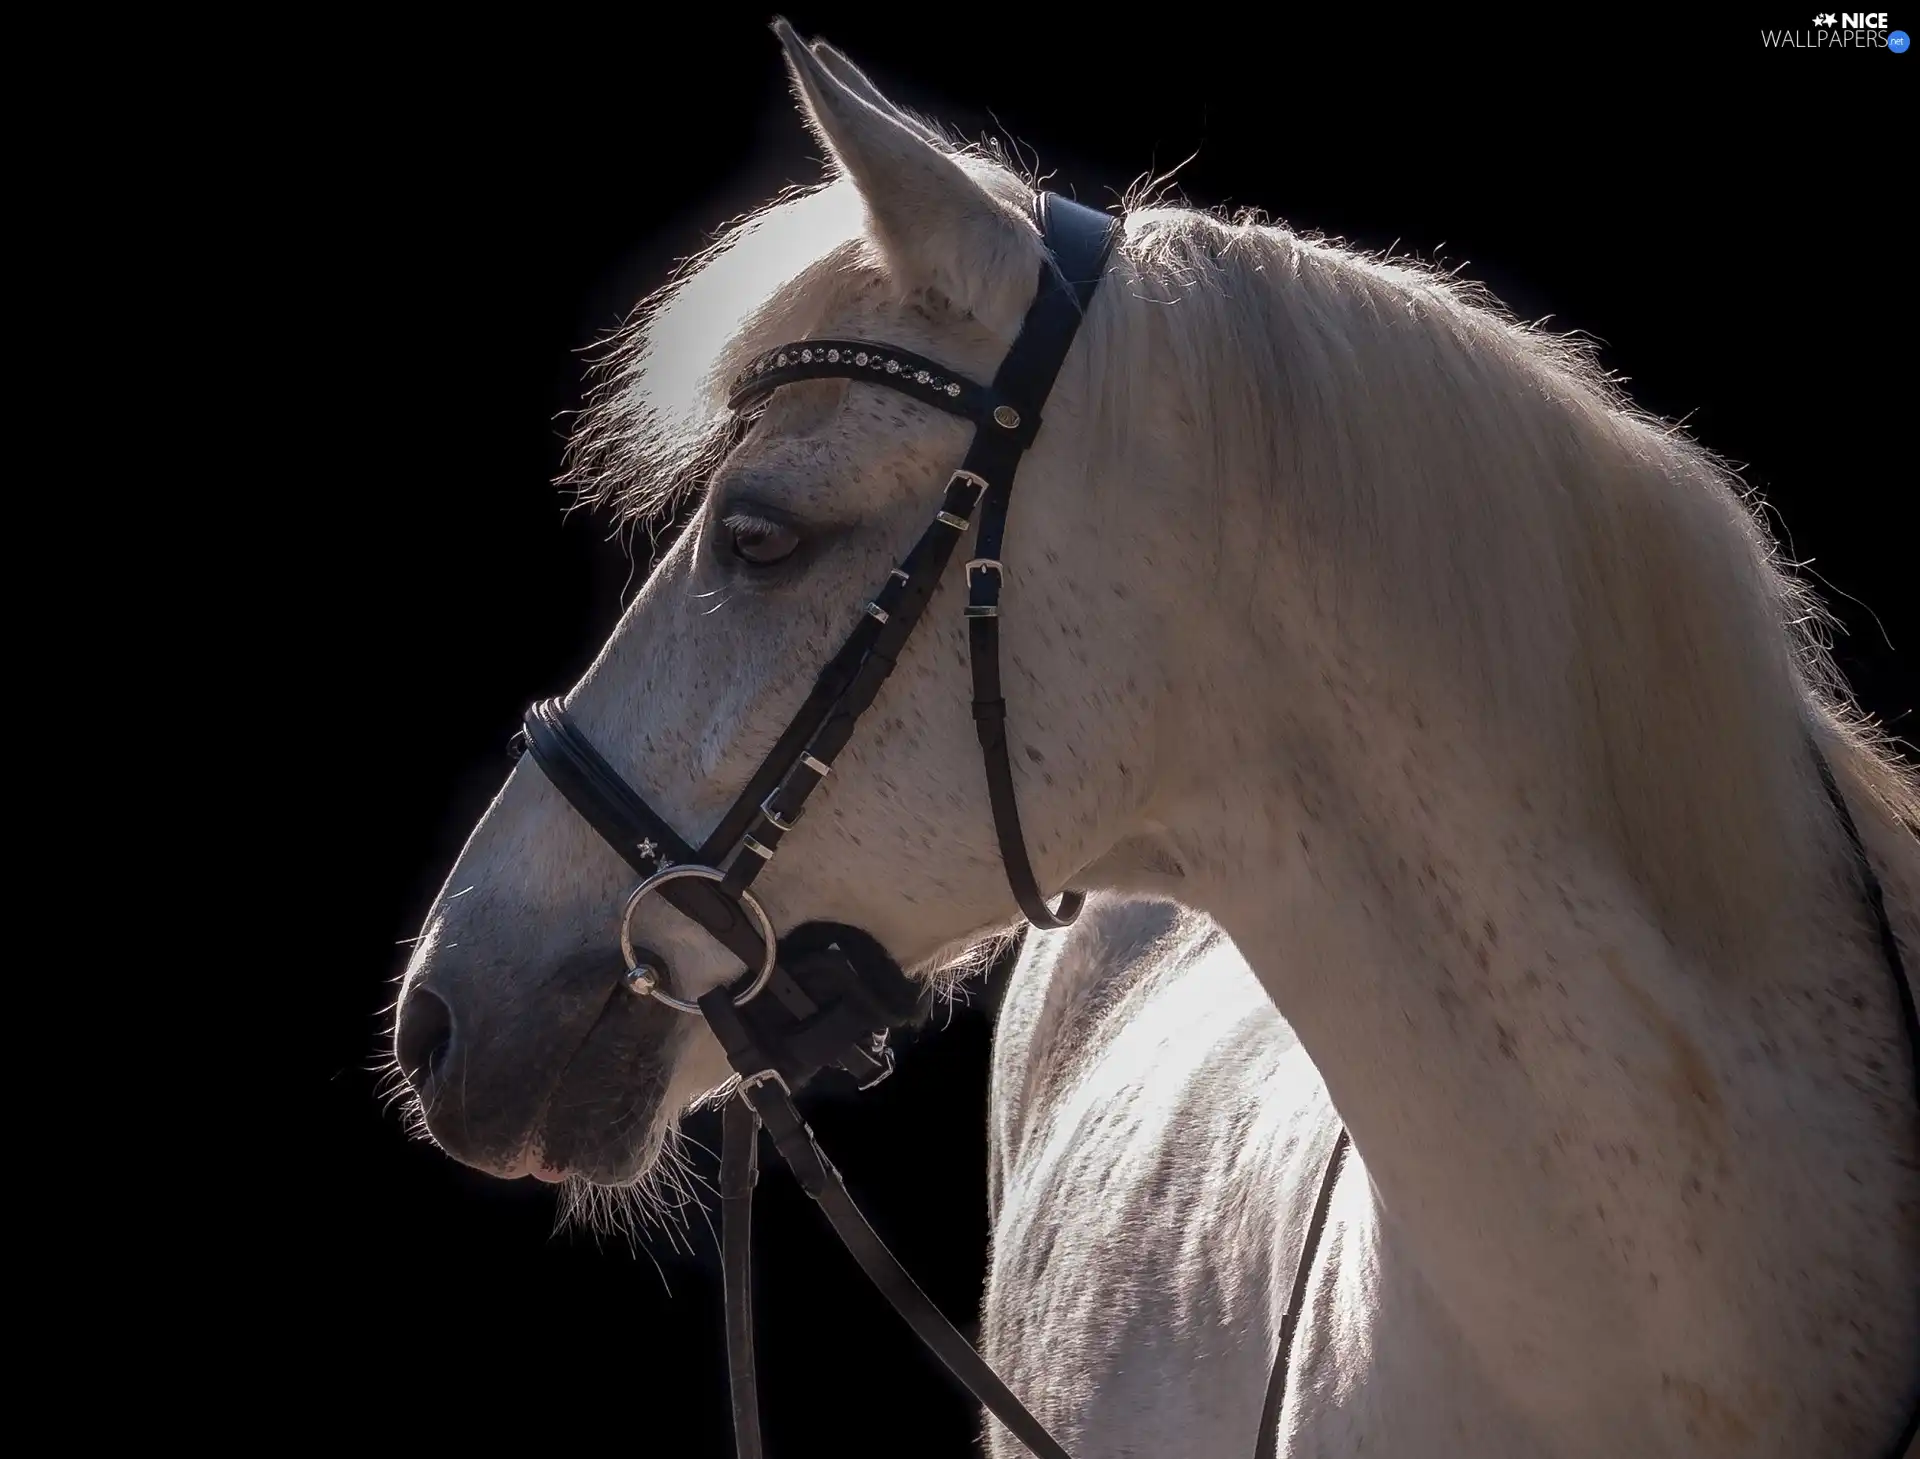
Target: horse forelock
[{"x": 656, "y": 419}]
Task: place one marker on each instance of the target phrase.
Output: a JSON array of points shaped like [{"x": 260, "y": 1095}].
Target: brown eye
[{"x": 761, "y": 543}]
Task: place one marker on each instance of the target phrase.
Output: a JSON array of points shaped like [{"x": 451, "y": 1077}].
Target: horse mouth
[
  {"x": 598, "y": 1126},
  {"x": 577, "y": 1095},
  {"x": 604, "y": 1135}
]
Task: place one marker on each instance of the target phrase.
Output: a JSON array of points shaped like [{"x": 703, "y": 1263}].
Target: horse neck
[{"x": 1648, "y": 1134}]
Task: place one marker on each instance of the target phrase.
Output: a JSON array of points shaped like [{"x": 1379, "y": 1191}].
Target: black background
[{"x": 484, "y": 202}]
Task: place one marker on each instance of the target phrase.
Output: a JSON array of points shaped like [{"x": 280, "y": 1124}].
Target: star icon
[
  {"x": 1826, "y": 19},
  {"x": 649, "y": 850}
]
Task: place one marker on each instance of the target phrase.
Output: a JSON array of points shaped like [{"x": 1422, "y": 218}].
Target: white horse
[{"x": 1469, "y": 701}]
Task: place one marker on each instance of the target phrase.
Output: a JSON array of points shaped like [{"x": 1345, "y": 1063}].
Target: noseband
[{"x": 826, "y": 993}]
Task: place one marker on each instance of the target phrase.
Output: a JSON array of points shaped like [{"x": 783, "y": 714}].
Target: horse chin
[
  {"x": 625, "y": 1193},
  {"x": 604, "y": 1170},
  {"x": 607, "y": 1136}
]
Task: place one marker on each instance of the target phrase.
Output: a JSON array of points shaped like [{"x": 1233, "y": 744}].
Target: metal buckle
[
  {"x": 767, "y": 810},
  {"x": 979, "y": 485},
  {"x": 984, "y": 564},
  {"x": 636, "y": 976}
]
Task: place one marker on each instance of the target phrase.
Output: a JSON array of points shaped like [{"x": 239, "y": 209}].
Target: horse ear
[
  {"x": 857, "y": 81},
  {"x": 935, "y": 223}
]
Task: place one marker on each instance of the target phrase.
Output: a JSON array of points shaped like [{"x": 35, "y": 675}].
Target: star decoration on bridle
[{"x": 651, "y": 851}]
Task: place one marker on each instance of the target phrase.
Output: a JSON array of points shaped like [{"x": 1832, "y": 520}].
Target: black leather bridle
[{"x": 825, "y": 994}]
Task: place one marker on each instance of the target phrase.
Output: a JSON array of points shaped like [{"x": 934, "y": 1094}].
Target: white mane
[{"x": 1568, "y": 561}]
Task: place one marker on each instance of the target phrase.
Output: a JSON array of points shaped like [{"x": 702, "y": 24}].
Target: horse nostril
[{"x": 424, "y": 1036}]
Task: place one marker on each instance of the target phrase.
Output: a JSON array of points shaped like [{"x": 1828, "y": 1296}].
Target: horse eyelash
[{"x": 738, "y": 521}]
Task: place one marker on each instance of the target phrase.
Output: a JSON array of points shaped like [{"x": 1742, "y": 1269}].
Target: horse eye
[{"x": 760, "y": 542}]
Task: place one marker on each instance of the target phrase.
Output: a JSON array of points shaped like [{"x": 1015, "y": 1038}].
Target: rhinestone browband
[{"x": 849, "y": 359}]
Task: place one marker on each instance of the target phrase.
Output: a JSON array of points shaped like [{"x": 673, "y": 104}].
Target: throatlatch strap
[
  {"x": 1080, "y": 239},
  {"x": 990, "y": 721}
]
